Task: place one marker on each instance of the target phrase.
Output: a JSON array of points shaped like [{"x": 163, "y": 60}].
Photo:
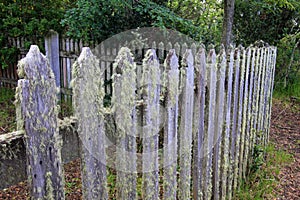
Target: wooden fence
[{"x": 176, "y": 131}]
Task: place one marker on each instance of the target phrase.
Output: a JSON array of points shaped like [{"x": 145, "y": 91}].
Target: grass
[
  {"x": 7, "y": 111},
  {"x": 263, "y": 178},
  {"x": 292, "y": 90}
]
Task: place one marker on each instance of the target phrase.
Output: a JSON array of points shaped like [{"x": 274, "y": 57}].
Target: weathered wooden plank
[
  {"x": 186, "y": 126},
  {"x": 170, "y": 128},
  {"x": 233, "y": 135},
  {"x": 151, "y": 97},
  {"x": 249, "y": 111},
  {"x": 209, "y": 139},
  {"x": 245, "y": 114},
  {"x": 198, "y": 126},
  {"x": 226, "y": 132},
  {"x": 123, "y": 101},
  {"x": 37, "y": 114},
  {"x": 240, "y": 118},
  {"x": 88, "y": 107},
  {"x": 219, "y": 121}
]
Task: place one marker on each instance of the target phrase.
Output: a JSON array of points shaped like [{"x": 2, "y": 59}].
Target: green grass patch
[
  {"x": 263, "y": 178},
  {"x": 7, "y": 111}
]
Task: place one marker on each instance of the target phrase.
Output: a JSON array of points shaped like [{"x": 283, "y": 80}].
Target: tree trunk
[{"x": 227, "y": 22}]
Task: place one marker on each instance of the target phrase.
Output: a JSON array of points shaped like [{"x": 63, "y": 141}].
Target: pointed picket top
[
  {"x": 177, "y": 48},
  {"x": 222, "y": 59},
  {"x": 171, "y": 60},
  {"x": 161, "y": 48},
  {"x": 194, "y": 49},
  {"x": 188, "y": 58},
  {"x": 211, "y": 58},
  {"x": 169, "y": 46},
  {"x": 153, "y": 46},
  {"x": 200, "y": 59},
  {"x": 123, "y": 59},
  {"x": 183, "y": 48},
  {"x": 34, "y": 65}
]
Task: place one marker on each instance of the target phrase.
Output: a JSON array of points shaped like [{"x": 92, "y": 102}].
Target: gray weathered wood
[
  {"x": 88, "y": 105},
  {"x": 198, "y": 127},
  {"x": 219, "y": 121},
  {"x": 240, "y": 118},
  {"x": 124, "y": 107},
  {"x": 52, "y": 53},
  {"x": 170, "y": 128},
  {"x": 212, "y": 83},
  {"x": 245, "y": 114},
  {"x": 37, "y": 116},
  {"x": 186, "y": 125},
  {"x": 226, "y": 132},
  {"x": 151, "y": 128}
]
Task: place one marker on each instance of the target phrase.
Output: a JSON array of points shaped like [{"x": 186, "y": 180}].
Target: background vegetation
[{"x": 274, "y": 21}]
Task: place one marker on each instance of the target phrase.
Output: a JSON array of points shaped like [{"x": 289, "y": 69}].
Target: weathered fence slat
[
  {"x": 186, "y": 126},
  {"x": 226, "y": 132},
  {"x": 245, "y": 111},
  {"x": 36, "y": 103},
  {"x": 199, "y": 114},
  {"x": 151, "y": 128},
  {"x": 212, "y": 83},
  {"x": 240, "y": 115},
  {"x": 88, "y": 105},
  {"x": 123, "y": 101},
  {"x": 249, "y": 111},
  {"x": 219, "y": 121},
  {"x": 170, "y": 128}
]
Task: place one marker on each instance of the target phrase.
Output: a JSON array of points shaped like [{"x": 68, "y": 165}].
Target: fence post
[
  {"x": 37, "y": 114},
  {"x": 88, "y": 91},
  {"x": 52, "y": 53}
]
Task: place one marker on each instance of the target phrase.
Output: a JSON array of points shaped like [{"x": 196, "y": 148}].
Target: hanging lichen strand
[
  {"x": 208, "y": 151},
  {"x": 170, "y": 127},
  {"x": 186, "y": 125},
  {"x": 226, "y": 132},
  {"x": 37, "y": 114},
  {"x": 198, "y": 126},
  {"x": 151, "y": 97},
  {"x": 124, "y": 101},
  {"x": 88, "y": 91},
  {"x": 219, "y": 121}
]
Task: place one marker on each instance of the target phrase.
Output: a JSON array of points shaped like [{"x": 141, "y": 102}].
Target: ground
[{"x": 285, "y": 134}]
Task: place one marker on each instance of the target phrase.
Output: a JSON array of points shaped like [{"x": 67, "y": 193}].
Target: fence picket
[
  {"x": 170, "y": 128},
  {"x": 36, "y": 103},
  {"x": 88, "y": 93},
  {"x": 199, "y": 114},
  {"x": 151, "y": 97},
  {"x": 186, "y": 126},
  {"x": 219, "y": 121},
  {"x": 123, "y": 101},
  {"x": 226, "y": 133}
]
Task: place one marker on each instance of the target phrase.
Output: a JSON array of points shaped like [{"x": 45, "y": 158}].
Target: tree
[{"x": 227, "y": 22}]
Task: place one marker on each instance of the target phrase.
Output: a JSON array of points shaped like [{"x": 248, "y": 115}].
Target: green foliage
[
  {"x": 29, "y": 19},
  {"x": 262, "y": 181},
  {"x": 7, "y": 112},
  {"x": 287, "y": 80},
  {"x": 100, "y": 19},
  {"x": 268, "y": 20}
]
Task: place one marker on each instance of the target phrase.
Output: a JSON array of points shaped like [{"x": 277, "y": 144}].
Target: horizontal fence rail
[{"x": 183, "y": 127}]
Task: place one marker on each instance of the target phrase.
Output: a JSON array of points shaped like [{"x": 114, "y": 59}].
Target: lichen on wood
[
  {"x": 88, "y": 91},
  {"x": 36, "y": 106}
]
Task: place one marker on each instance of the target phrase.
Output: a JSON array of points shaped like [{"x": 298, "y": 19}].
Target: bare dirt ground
[{"x": 285, "y": 133}]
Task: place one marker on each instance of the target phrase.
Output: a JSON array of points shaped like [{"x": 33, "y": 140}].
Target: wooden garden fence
[{"x": 175, "y": 130}]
